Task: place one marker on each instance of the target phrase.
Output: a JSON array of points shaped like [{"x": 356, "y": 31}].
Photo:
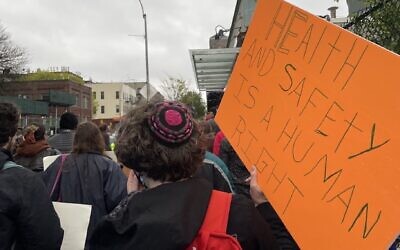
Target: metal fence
[{"x": 379, "y": 23}]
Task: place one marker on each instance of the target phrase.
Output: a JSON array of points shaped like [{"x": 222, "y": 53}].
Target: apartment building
[{"x": 113, "y": 100}]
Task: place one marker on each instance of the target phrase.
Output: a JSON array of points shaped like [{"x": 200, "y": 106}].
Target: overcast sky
[{"x": 91, "y": 36}]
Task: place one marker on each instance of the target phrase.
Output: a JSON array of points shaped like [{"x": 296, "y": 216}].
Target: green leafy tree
[
  {"x": 177, "y": 89},
  {"x": 193, "y": 100},
  {"x": 95, "y": 105},
  {"x": 380, "y": 23}
]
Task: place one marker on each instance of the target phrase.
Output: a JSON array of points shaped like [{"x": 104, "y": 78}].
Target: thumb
[
  {"x": 248, "y": 179},
  {"x": 253, "y": 176}
]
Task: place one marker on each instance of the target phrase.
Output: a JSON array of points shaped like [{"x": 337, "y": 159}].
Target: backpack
[{"x": 212, "y": 234}]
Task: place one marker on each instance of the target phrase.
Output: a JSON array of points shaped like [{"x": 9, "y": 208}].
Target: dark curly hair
[
  {"x": 138, "y": 149},
  {"x": 9, "y": 117}
]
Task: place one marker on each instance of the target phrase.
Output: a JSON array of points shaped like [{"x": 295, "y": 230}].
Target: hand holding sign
[{"x": 256, "y": 193}]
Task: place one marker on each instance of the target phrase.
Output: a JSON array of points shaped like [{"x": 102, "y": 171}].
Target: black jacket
[
  {"x": 91, "y": 179},
  {"x": 282, "y": 235},
  {"x": 27, "y": 217},
  {"x": 170, "y": 215},
  {"x": 236, "y": 167}
]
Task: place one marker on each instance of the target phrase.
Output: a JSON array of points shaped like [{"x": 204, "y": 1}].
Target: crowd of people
[{"x": 174, "y": 178}]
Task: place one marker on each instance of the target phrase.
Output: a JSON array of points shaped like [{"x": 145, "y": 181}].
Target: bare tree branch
[
  {"x": 174, "y": 88},
  {"x": 12, "y": 57}
]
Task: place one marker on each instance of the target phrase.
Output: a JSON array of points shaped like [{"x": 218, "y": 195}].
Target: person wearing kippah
[{"x": 163, "y": 146}]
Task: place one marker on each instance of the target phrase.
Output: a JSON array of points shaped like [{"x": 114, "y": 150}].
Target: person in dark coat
[
  {"x": 236, "y": 167},
  {"x": 211, "y": 172},
  {"x": 87, "y": 176},
  {"x": 219, "y": 167},
  {"x": 163, "y": 146},
  {"x": 64, "y": 139},
  {"x": 34, "y": 148},
  {"x": 27, "y": 217},
  {"x": 282, "y": 235}
]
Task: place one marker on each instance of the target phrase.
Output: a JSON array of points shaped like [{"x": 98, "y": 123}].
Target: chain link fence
[{"x": 379, "y": 23}]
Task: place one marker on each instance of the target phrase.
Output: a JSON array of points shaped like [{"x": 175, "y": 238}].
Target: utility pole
[{"x": 146, "y": 52}]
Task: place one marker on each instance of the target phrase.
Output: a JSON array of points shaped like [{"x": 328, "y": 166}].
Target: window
[
  {"x": 85, "y": 102},
  {"x": 102, "y": 95},
  {"x": 94, "y": 111},
  {"x": 116, "y": 94},
  {"x": 94, "y": 94},
  {"x": 117, "y": 109},
  {"x": 102, "y": 109},
  {"x": 77, "y": 100}
]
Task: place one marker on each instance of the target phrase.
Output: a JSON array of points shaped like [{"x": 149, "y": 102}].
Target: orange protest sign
[{"x": 315, "y": 108}]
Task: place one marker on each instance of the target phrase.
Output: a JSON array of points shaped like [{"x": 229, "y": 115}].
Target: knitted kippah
[{"x": 171, "y": 124}]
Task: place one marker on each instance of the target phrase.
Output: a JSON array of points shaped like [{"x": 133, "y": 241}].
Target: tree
[
  {"x": 380, "y": 23},
  {"x": 12, "y": 57},
  {"x": 95, "y": 105},
  {"x": 193, "y": 100},
  {"x": 174, "y": 88}
]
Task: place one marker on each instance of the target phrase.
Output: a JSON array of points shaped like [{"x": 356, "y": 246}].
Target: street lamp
[{"x": 146, "y": 51}]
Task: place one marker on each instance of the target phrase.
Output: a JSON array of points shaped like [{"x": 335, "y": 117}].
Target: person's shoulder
[
  {"x": 110, "y": 163},
  {"x": 103, "y": 160},
  {"x": 11, "y": 170},
  {"x": 209, "y": 156},
  {"x": 212, "y": 158},
  {"x": 52, "y": 151},
  {"x": 12, "y": 165},
  {"x": 53, "y": 137}
]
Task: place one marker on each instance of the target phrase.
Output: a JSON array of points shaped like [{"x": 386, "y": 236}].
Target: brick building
[{"x": 60, "y": 95}]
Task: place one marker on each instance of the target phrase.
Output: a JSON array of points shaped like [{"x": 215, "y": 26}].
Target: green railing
[{"x": 27, "y": 107}]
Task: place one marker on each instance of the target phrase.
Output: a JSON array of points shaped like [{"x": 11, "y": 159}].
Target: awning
[{"x": 213, "y": 67}]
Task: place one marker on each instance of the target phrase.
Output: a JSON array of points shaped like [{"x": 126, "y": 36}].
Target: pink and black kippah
[{"x": 171, "y": 124}]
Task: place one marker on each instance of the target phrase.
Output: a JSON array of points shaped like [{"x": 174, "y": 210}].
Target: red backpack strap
[{"x": 217, "y": 214}]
